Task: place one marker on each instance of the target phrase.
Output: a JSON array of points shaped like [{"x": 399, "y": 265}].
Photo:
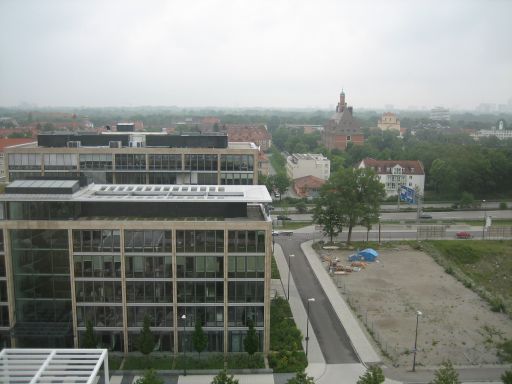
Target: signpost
[{"x": 407, "y": 194}]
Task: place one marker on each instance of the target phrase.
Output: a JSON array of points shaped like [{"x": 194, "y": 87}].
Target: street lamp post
[
  {"x": 418, "y": 314},
  {"x": 485, "y": 220},
  {"x": 312, "y": 299},
  {"x": 289, "y": 269},
  {"x": 184, "y": 318},
  {"x": 379, "y": 229}
]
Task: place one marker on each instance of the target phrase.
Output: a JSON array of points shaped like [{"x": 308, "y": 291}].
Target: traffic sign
[{"x": 407, "y": 194}]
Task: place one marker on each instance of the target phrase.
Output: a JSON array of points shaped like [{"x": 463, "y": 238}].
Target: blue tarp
[{"x": 367, "y": 254}]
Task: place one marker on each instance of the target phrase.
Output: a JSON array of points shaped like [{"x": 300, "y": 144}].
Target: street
[{"x": 331, "y": 335}]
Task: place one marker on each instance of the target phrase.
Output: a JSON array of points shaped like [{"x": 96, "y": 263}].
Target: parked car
[
  {"x": 275, "y": 233},
  {"x": 282, "y": 217},
  {"x": 463, "y": 235},
  {"x": 425, "y": 216}
]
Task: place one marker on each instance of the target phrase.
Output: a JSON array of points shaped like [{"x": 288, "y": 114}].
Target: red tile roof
[
  {"x": 10, "y": 142},
  {"x": 411, "y": 167},
  {"x": 302, "y": 185}
]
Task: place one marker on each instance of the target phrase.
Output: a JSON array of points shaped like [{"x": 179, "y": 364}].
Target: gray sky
[{"x": 268, "y": 53}]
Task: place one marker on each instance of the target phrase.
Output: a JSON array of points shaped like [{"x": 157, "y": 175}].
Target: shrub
[
  {"x": 497, "y": 305},
  {"x": 503, "y": 205},
  {"x": 287, "y": 361},
  {"x": 505, "y": 351},
  {"x": 373, "y": 375},
  {"x": 446, "y": 374}
]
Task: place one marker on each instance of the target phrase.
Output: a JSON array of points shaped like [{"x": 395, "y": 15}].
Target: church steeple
[{"x": 342, "y": 104}]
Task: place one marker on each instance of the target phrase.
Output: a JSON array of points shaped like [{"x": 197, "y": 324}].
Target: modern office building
[
  {"x": 136, "y": 158},
  {"x": 112, "y": 254}
]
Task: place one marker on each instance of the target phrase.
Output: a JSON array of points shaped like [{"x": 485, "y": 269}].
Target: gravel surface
[{"x": 456, "y": 323}]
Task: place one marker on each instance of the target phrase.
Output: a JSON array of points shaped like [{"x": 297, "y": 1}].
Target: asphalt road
[
  {"x": 396, "y": 216},
  {"x": 331, "y": 335}
]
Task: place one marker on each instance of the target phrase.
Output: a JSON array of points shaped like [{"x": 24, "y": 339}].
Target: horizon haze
[{"x": 266, "y": 54}]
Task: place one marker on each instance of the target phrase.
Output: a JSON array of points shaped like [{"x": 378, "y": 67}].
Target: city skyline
[{"x": 268, "y": 54}]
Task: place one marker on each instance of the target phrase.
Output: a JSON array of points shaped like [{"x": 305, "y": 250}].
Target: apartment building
[
  {"x": 136, "y": 158},
  {"x": 395, "y": 173},
  {"x": 308, "y": 164},
  {"x": 112, "y": 254}
]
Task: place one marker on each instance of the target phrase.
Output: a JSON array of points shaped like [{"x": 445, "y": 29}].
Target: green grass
[
  {"x": 114, "y": 362},
  {"x": 485, "y": 266},
  {"x": 143, "y": 362},
  {"x": 275, "y": 271},
  {"x": 245, "y": 361},
  {"x": 211, "y": 361}
]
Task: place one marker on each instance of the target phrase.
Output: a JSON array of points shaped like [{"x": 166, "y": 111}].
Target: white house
[
  {"x": 395, "y": 173},
  {"x": 308, "y": 164}
]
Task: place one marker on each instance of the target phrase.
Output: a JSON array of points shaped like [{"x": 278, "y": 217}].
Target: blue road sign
[{"x": 407, "y": 194}]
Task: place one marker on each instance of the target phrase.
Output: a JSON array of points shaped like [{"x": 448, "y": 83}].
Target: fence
[{"x": 389, "y": 350}]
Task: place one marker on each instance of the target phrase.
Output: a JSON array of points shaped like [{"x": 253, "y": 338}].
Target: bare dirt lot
[{"x": 456, "y": 323}]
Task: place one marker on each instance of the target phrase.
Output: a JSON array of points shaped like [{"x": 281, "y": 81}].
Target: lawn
[{"x": 485, "y": 264}]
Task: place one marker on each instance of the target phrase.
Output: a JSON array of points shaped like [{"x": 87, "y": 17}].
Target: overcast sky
[{"x": 242, "y": 53}]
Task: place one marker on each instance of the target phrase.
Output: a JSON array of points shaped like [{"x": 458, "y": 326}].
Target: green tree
[
  {"x": 281, "y": 183},
  {"x": 301, "y": 378},
  {"x": 507, "y": 377},
  {"x": 251, "y": 340},
  {"x": 223, "y": 378},
  {"x": 301, "y": 206},
  {"x": 146, "y": 340},
  {"x": 199, "y": 338},
  {"x": 442, "y": 176},
  {"x": 150, "y": 377},
  {"x": 357, "y": 194},
  {"x": 90, "y": 340},
  {"x": 446, "y": 374},
  {"x": 327, "y": 214},
  {"x": 466, "y": 200},
  {"x": 373, "y": 375}
]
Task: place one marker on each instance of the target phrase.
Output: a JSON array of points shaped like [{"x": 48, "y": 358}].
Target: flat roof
[
  {"x": 19, "y": 365},
  {"x": 147, "y": 193}
]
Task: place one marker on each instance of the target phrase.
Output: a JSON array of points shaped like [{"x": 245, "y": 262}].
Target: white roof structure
[
  {"x": 35, "y": 366},
  {"x": 146, "y": 192}
]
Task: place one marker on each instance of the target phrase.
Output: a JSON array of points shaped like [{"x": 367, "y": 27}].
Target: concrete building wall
[{"x": 300, "y": 165}]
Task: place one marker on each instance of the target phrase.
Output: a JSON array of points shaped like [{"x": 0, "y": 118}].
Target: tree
[
  {"x": 507, "y": 377},
  {"x": 150, "y": 377},
  {"x": 146, "y": 340},
  {"x": 466, "y": 200},
  {"x": 301, "y": 206},
  {"x": 446, "y": 374},
  {"x": 281, "y": 183},
  {"x": 199, "y": 338},
  {"x": 301, "y": 378},
  {"x": 356, "y": 195},
  {"x": 223, "y": 378},
  {"x": 327, "y": 214},
  {"x": 373, "y": 375},
  {"x": 90, "y": 340},
  {"x": 251, "y": 340}
]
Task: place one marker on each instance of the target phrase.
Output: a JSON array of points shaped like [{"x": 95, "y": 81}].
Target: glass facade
[
  {"x": 42, "y": 279},
  {"x": 136, "y": 168},
  {"x": 145, "y": 281}
]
